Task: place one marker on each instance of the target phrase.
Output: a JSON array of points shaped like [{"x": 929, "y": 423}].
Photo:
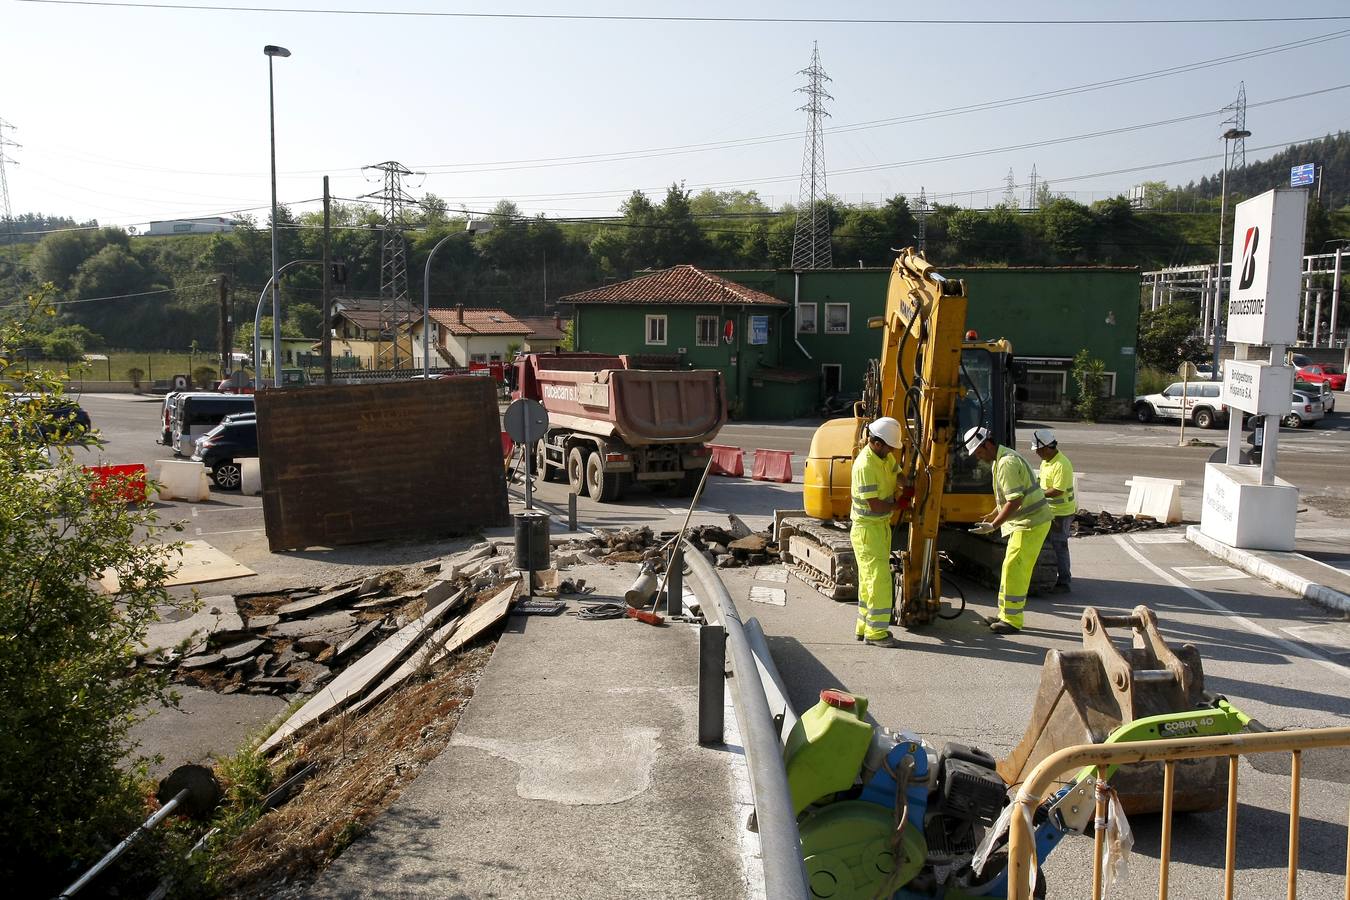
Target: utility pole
[
  {"x": 811, "y": 237},
  {"x": 396, "y": 310},
  {"x": 923, "y": 219},
  {"x": 223, "y": 284},
  {"x": 4, "y": 189},
  {"x": 326, "y": 339},
  {"x": 1010, "y": 190}
]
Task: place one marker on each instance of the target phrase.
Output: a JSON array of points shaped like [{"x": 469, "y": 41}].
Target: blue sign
[
  {"x": 759, "y": 329},
  {"x": 1301, "y": 175}
]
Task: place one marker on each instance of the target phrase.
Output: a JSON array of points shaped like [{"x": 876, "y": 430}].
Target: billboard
[
  {"x": 1267, "y": 262},
  {"x": 1302, "y": 175}
]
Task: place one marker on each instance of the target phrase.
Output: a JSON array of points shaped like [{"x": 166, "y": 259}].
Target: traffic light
[{"x": 337, "y": 270}]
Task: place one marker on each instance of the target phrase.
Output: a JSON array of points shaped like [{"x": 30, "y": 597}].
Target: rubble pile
[
  {"x": 1086, "y": 523},
  {"x": 731, "y": 546},
  {"x": 291, "y": 643}
]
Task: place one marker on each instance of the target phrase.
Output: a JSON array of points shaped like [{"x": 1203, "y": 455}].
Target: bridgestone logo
[
  {"x": 1249, "y": 245},
  {"x": 1252, "y": 306}
]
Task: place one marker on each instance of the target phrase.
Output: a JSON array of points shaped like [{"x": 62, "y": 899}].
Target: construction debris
[
  {"x": 1086, "y": 523},
  {"x": 730, "y": 547}
]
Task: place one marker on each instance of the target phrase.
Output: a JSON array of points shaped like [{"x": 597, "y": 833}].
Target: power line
[
  {"x": 756, "y": 20},
  {"x": 172, "y": 290}
]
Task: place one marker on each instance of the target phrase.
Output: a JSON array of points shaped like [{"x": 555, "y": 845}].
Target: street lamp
[
  {"x": 1229, "y": 136},
  {"x": 271, "y": 51},
  {"x": 426, "y": 308},
  {"x": 257, "y": 324}
]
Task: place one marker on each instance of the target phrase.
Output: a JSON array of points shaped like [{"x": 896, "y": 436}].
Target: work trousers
[
  {"x": 872, "y": 549},
  {"x": 1019, "y": 561},
  {"x": 1059, "y": 541}
]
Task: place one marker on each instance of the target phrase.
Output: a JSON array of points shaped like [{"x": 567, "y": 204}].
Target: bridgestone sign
[{"x": 1267, "y": 260}]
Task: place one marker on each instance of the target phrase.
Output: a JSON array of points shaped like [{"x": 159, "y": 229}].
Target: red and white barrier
[
  {"x": 128, "y": 482},
  {"x": 727, "y": 460},
  {"x": 773, "y": 465}
]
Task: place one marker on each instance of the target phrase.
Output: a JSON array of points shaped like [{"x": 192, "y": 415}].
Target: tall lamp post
[
  {"x": 271, "y": 50},
  {"x": 426, "y": 308},
  {"x": 1229, "y": 136}
]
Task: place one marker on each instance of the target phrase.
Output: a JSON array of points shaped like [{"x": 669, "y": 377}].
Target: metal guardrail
[
  {"x": 1021, "y": 846},
  {"x": 780, "y": 841}
]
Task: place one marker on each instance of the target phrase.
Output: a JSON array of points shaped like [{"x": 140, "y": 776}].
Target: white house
[{"x": 462, "y": 336}]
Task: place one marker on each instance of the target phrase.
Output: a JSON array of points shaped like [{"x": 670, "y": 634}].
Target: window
[
  {"x": 706, "y": 331},
  {"x": 1173, "y": 390},
  {"x": 1196, "y": 389},
  {"x": 480, "y": 358},
  {"x": 836, "y": 318},
  {"x": 656, "y": 331},
  {"x": 806, "y": 318},
  {"x": 1046, "y": 385},
  {"x": 1108, "y": 387}
]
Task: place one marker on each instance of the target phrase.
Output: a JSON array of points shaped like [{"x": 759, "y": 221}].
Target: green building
[{"x": 813, "y": 328}]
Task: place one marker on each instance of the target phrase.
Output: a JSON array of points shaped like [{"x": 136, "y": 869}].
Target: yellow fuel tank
[{"x": 826, "y": 485}]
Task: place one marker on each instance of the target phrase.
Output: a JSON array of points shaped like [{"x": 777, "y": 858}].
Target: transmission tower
[
  {"x": 1238, "y": 120},
  {"x": 922, "y": 210},
  {"x": 1033, "y": 201},
  {"x": 811, "y": 239},
  {"x": 4, "y": 188},
  {"x": 396, "y": 309},
  {"x": 1010, "y": 190}
]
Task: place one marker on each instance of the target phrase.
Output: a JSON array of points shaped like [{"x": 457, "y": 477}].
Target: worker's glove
[{"x": 982, "y": 528}]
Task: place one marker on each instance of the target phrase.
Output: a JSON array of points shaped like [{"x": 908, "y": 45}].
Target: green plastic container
[{"x": 826, "y": 748}]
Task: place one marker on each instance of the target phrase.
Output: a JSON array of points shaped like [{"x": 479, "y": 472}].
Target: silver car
[{"x": 1307, "y": 407}]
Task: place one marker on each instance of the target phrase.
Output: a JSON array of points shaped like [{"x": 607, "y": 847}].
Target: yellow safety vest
[
  {"x": 874, "y": 477},
  {"x": 1013, "y": 480},
  {"x": 1057, "y": 474}
]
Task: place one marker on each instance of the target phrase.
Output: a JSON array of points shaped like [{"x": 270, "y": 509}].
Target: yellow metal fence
[{"x": 1022, "y": 850}]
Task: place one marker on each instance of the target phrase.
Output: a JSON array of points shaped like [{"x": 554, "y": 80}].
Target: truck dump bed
[{"x": 602, "y": 395}]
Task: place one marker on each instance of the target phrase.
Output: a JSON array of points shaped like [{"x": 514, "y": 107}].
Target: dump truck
[{"x": 612, "y": 423}]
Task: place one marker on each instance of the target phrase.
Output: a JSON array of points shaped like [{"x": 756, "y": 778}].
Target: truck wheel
[
  {"x": 576, "y": 471},
  {"x": 603, "y": 486},
  {"x": 687, "y": 484}
]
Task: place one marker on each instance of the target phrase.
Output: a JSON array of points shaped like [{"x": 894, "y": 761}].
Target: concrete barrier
[
  {"x": 772, "y": 465},
  {"x": 183, "y": 480},
  {"x": 727, "y": 460},
  {"x": 250, "y": 476}
]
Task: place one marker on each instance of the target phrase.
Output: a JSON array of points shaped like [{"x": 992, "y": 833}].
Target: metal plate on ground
[
  {"x": 1208, "y": 573},
  {"x": 365, "y": 462},
  {"x": 771, "y": 596},
  {"x": 1165, "y": 538},
  {"x": 773, "y": 574},
  {"x": 200, "y": 563}
]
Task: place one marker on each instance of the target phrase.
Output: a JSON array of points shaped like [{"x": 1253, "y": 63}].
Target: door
[
  {"x": 833, "y": 376},
  {"x": 1170, "y": 405}
]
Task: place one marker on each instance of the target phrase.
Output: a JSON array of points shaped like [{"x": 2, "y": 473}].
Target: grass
[{"x": 154, "y": 366}]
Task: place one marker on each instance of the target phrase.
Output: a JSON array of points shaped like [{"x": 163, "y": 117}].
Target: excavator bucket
[{"x": 1086, "y": 694}]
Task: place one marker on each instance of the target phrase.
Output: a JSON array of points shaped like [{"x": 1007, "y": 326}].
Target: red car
[{"x": 1317, "y": 373}]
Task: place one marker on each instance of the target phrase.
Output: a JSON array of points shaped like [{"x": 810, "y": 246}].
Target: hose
[
  {"x": 961, "y": 609},
  {"x": 597, "y": 612}
]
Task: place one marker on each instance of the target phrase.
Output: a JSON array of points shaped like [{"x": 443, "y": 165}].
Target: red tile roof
[
  {"x": 542, "y": 328},
  {"x": 682, "y": 285},
  {"x": 479, "y": 321}
]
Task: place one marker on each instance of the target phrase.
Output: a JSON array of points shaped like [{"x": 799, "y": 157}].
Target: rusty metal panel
[{"x": 354, "y": 463}]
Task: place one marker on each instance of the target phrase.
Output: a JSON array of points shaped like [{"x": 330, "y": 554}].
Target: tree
[
  {"x": 1168, "y": 336},
  {"x": 1089, "y": 373},
  {"x": 1068, "y": 228},
  {"x": 243, "y": 335},
  {"x": 305, "y": 318},
  {"x": 67, "y": 649}
]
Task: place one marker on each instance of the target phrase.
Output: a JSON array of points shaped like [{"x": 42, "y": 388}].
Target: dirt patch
[
  {"x": 1336, "y": 507},
  {"x": 363, "y": 764}
]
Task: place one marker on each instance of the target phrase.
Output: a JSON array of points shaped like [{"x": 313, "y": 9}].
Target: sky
[{"x": 128, "y": 115}]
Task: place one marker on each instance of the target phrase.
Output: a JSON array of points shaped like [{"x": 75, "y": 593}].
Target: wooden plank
[
  {"x": 353, "y": 681},
  {"x": 310, "y": 604},
  {"x": 445, "y": 640},
  {"x": 200, "y": 563}
]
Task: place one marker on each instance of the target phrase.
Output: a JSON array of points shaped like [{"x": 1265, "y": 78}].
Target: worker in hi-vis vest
[
  {"x": 1057, "y": 483},
  {"x": 874, "y": 490},
  {"x": 1023, "y": 514}
]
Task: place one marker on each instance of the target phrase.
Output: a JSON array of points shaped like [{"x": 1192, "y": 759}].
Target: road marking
[
  {"x": 1324, "y": 565},
  {"x": 1327, "y": 632},
  {"x": 1296, "y": 649},
  {"x": 239, "y": 531},
  {"x": 1170, "y": 538},
  {"x": 215, "y": 509},
  {"x": 1209, "y": 573}
]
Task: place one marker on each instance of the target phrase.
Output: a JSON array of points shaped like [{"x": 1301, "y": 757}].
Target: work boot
[
  {"x": 1061, "y": 589},
  {"x": 888, "y": 642},
  {"x": 998, "y": 626},
  {"x": 857, "y": 637}
]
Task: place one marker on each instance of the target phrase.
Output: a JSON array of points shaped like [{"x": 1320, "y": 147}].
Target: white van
[
  {"x": 194, "y": 414},
  {"x": 1199, "y": 405}
]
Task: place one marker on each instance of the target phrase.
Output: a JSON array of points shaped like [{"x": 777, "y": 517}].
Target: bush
[
  {"x": 1089, "y": 374},
  {"x": 134, "y": 375},
  {"x": 1153, "y": 381},
  {"x": 205, "y": 377},
  {"x": 68, "y": 676}
]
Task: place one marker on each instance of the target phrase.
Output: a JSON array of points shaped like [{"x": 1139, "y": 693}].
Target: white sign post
[{"x": 1246, "y": 506}]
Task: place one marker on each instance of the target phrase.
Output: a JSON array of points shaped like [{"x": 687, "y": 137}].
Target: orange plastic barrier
[
  {"x": 128, "y": 482},
  {"x": 727, "y": 461},
  {"x": 773, "y": 465}
]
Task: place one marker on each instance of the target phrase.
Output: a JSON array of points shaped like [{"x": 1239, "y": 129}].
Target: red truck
[{"x": 611, "y": 423}]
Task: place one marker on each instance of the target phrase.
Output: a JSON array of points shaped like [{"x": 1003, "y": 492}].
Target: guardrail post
[
  {"x": 712, "y": 667},
  {"x": 675, "y": 583}
]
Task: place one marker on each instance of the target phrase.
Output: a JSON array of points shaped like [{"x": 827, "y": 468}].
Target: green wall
[{"x": 1043, "y": 312}]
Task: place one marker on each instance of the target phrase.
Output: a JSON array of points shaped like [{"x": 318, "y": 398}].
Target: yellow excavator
[{"x": 938, "y": 380}]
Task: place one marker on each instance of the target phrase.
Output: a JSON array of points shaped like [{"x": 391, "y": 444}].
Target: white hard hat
[
  {"x": 1042, "y": 437},
  {"x": 886, "y": 429},
  {"x": 974, "y": 438}
]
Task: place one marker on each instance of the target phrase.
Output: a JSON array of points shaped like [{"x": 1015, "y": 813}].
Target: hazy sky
[{"x": 128, "y": 115}]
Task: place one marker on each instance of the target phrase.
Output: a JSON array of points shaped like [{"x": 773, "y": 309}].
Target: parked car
[
  {"x": 1324, "y": 390},
  {"x": 1320, "y": 373},
  {"x": 1306, "y": 409},
  {"x": 1298, "y": 360},
  {"x": 222, "y": 448},
  {"x": 63, "y": 419},
  {"x": 1200, "y": 404}
]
